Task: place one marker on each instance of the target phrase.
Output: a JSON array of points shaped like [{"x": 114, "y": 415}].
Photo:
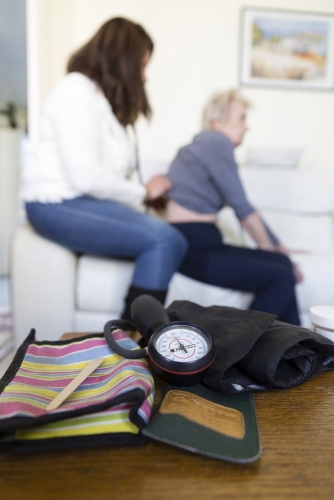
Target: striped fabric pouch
[{"x": 110, "y": 407}]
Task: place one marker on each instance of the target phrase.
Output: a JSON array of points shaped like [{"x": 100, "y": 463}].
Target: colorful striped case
[{"x": 110, "y": 407}]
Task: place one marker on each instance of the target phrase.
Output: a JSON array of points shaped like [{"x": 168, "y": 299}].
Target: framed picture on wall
[{"x": 287, "y": 49}]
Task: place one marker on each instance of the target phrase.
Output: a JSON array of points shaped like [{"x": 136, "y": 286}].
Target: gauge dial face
[{"x": 181, "y": 343}]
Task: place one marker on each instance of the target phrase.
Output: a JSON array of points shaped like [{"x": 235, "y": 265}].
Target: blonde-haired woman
[{"x": 205, "y": 178}]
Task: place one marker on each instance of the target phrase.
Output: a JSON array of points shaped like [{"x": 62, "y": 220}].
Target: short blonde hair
[{"x": 218, "y": 106}]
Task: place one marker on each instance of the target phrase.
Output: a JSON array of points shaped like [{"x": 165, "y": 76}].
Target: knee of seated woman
[
  {"x": 284, "y": 275},
  {"x": 169, "y": 237},
  {"x": 176, "y": 239},
  {"x": 279, "y": 259},
  {"x": 284, "y": 259}
]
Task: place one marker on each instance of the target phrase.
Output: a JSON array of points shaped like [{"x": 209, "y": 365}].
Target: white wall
[
  {"x": 197, "y": 52},
  {"x": 13, "y": 76}
]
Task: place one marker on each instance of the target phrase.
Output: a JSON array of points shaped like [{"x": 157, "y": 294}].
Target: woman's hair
[
  {"x": 113, "y": 58},
  {"x": 218, "y": 106}
]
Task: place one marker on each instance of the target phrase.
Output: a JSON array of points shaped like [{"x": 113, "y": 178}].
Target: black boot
[{"x": 135, "y": 292}]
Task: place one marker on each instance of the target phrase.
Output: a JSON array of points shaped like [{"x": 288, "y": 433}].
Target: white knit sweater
[{"x": 82, "y": 149}]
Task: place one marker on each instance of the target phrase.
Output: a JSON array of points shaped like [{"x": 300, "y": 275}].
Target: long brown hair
[{"x": 113, "y": 58}]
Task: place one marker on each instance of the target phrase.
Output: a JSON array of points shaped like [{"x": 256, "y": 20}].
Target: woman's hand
[
  {"x": 255, "y": 227},
  {"x": 296, "y": 270},
  {"x": 257, "y": 231},
  {"x": 156, "y": 187},
  {"x": 297, "y": 273}
]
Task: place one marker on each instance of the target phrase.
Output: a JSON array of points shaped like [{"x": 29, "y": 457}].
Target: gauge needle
[{"x": 181, "y": 345}]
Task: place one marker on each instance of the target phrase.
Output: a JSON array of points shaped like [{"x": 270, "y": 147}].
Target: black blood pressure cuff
[{"x": 255, "y": 352}]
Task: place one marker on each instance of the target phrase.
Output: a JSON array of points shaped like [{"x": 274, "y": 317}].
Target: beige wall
[{"x": 197, "y": 52}]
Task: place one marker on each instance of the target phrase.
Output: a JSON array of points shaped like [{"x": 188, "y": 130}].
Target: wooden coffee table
[{"x": 296, "y": 428}]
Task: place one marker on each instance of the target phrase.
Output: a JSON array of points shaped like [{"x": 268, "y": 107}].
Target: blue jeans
[
  {"x": 268, "y": 275},
  {"x": 107, "y": 228}
]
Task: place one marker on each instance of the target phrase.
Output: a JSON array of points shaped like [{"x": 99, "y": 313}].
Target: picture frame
[{"x": 286, "y": 49}]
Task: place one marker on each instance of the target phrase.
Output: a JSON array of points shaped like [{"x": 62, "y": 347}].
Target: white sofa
[{"x": 54, "y": 291}]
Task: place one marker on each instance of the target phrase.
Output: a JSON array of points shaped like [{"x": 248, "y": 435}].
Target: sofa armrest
[{"x": 43, "y": 280}]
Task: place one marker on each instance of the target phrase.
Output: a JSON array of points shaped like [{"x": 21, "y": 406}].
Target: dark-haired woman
[{"x": 81, "y": 188}]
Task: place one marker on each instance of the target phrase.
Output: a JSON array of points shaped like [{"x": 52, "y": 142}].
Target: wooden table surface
[{"x": 297, "y": 434}]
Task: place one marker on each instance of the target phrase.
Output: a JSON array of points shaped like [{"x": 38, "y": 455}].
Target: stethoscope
[{"x": 180, "y": 352}]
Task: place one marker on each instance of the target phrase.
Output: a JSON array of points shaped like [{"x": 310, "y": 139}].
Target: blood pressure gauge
[{"x": 180, "y": 352}]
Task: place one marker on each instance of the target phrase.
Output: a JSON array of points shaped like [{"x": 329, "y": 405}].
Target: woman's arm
[
  {"x": 224, "y": 174},
  {"x": 78, "y": 122},
  {"x": 224, "y": 171},
  {"x": 157, "y": 186},
  {"x": 256, "y": 229}
]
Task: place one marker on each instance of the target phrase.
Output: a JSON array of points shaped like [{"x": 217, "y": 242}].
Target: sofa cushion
[
  {"x": 184, "y": 288},
  {"x": 318, "y": 285},
  {"x": 294, "y": 190},
  {"x": 314, "y": 233},
  {"x": 102, "y": 285}
]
